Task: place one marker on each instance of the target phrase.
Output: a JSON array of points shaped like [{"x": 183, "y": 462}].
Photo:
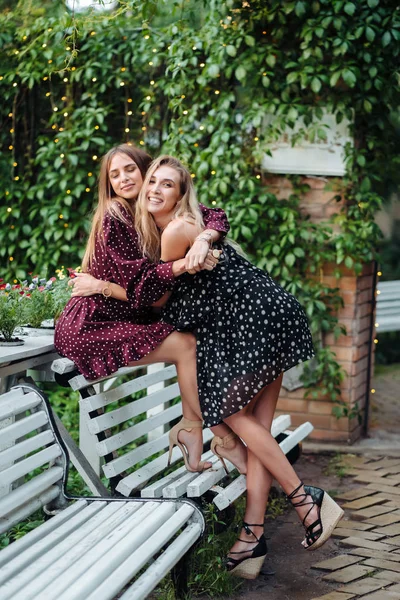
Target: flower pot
[{"x": 12, "y": 342}]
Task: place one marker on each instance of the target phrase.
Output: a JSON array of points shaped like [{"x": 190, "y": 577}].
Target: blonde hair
[
  {"x": 108, "y": 201},
  {"x": 187, "y": 207}
]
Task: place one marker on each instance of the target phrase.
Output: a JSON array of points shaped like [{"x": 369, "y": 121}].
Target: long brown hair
[
  {"x": 187, "y": 207},
  {"x": 108, "y": 201}
]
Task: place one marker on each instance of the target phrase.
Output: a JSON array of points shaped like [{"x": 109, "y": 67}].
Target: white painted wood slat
[
  {"x": 23, "y": 448},
  {"x": 30, "y": 506},
  {"x": 131, "y": 410},
  {"x": 130, "y": 459},
  {"x": 164, "y": 563},
  {"x": 117, "y": 567},
  {"x": 46, "y": 540},
  {"x": 33, "y": 578},
  {"x": 125, "y": 571},
  {"x": 131, "y": 434},
  {"x": 31, "y": 463},
  {"x": 30, "y": 490},
  {"x": 130, "y": 387},
  {"x": 80, "y": 382},
  {"x": 14, "y": 403},
  {"x": 18, "y": 547},
  {"x": 23, "y": 427},
  {"x": 137, "y": 479},
  {"x": 100, "y": 543}
]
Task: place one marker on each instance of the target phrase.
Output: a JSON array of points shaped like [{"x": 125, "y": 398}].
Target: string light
[
  {"x": 258, "y": 176},
  {"x": 377, "y": 325},
  {"x": 148, "y": 97},
  {"x": 141, "y": 142},
  {"x": 143, "y": 112},
  {"x": 154, "y": 49},
  {"x": 15, "y": 164},
  {"x": 66, "y": 225},
  {"x": 194, "y": 48},
  {"x": 10, "y": 115},
  {"x": 378, "y": 292},
  {"x": 16, "y": 178},
  {"x": 122, "y": 83},
  {"x": 201, "y": 127},
  {"x": 44, "y": 45},
  {"x": 49, "y": 61},
  {"x": 11, "y": 258},
  {"x": 217, "y": 92},
  {"x": 61, "y": 129},
  {"x": 144, "y": 128},
  {"x": 376, "y": 341},
  {"x": 196, "y": 145},
  {"x": 185, "y": 112},
  {"x": 202, "y": 64},
  {"x": 11, "y": 130},
  {"x": 192, "y": 175},
  {"x": 94, "y": 157},
  {"x": 55, "y": 109},
  {"x": 212, "y": 172},
  {"x": 10, "y": 147},
  {"x": 68, "y": 48},
  {"x": 62, "y": 155},
  {"x": 65, "y": 114},
  {"x": 146, "y": 37},
  {"x": 96, "y": 127},
  {"x": 68, "y": 191},
  {"x": 63, "y": 98},
  {"x": 54, "y": 126},
  {"x": 379, "y": 273},
  {"x": 56, "y": 141},
  {"x": 150, "y": 63},
  {"x": 92, "y": 33},
  {"x": 183, "y": 96},
  {"x": 256, "y": 139},
  {"x": 129, "y": 112},
  {"x": 9, "y": 210},
  {"x": 65, "y": 80},
  {"x": 90, "y": 174},
  {"x": 48, "y": 94},
  {"x": 94, "y": 79},
  {"x": 123, "y": 69},
  {"x": 152, "y": 82},
  {"x": 14, "y": 84},
  {"x": 87, "y": 189},
  {"x": 60, "y": 216},
  {"x": 126, "y": 129},
  {"x": 130, "y": 100}
]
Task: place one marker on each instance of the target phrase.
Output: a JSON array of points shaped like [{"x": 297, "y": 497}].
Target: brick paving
[{"x": 369, "y": 568}]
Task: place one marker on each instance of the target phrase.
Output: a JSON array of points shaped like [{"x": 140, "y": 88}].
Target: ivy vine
[{"x": 72, "y": 86}]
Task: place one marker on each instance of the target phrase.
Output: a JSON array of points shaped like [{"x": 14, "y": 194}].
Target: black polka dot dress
[{"x": 248, "y": 328}]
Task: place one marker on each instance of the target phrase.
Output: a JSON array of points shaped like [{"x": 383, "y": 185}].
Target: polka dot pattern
[{"x": 248, "y": 329}]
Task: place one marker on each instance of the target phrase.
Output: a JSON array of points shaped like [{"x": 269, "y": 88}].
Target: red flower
[
  {"x": 1, "y": 280},
  {"x": 3, "y": 287},
  {"x": 53, "y": 278},
  {"x": 21, "y": 293},
  {"x": 16, "y": 286}
]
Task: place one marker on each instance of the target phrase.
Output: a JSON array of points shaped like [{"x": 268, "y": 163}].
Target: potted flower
[
  {"x": 12, "y": 313},
  {"x": 46, "y": 300}
]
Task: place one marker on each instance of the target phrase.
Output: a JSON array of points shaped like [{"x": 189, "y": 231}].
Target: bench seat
[
  {"x": 93, "y": 547},
  {"x": 135, "y": 458}
]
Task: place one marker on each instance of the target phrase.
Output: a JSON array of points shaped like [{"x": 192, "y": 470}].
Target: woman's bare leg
[
  {"x": 261, "y": 443},
  {"x": 180, "y": 349},
  {"x": 259, "y": 479}
]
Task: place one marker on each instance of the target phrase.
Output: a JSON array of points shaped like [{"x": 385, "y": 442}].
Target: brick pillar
[{"x": 352, "y": 350}]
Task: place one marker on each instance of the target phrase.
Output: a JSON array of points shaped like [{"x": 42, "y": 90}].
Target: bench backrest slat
[
  {"x": 119, "y": 415},
  {"x": 130, "y": 459},
  {"x": 29, "y": 448},
  {"x": 13, "y": 403}
]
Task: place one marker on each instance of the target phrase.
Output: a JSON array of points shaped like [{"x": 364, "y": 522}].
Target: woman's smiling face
[
  {"x": 125, "y": 176},
  {"x": 163, "y": 192}
]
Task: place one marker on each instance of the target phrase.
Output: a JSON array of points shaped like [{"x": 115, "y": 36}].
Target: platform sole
[
  {"x": 331, "y": 513},
  {"x": 249, "y": 568}
]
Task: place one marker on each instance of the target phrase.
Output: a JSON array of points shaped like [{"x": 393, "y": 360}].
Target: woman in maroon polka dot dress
[{"x": 101, "y": 333}]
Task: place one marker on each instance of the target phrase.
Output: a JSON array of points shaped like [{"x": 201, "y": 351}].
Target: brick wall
[{"x": 352, "y": 349}]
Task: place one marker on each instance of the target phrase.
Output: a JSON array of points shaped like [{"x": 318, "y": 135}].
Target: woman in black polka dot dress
[{"x": 249, "y": 330}]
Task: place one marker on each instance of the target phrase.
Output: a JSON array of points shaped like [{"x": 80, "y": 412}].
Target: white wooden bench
[
  {"x": 93, "y": 547},
  {"x": 388, "y": 306},
  {"x": 137, "y": 462}
]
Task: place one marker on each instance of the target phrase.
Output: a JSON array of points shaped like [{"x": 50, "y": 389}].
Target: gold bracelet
[{"x": 107, "y": 291}]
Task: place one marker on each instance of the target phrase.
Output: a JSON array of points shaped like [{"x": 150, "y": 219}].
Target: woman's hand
[
  {"x": 210, "y": 262},
  {"x": 84, "y": 284},
  {"x": 196, "y": 257}
]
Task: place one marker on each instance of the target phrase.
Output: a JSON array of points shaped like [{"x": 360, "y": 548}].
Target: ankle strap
[
  {"x": 246, "y": 527},
  {"x": 219, "y": 441},
  {"x": 293, "y": 495},
  {"x": 186, "y": 423}
]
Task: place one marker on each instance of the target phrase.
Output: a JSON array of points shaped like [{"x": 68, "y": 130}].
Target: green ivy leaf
[
  {"x": 350, "y": 8},
  {"x": 349, "y": 77},
  {"x": 231, "y": 50},
  {"x": 240, "y": 73},
  {"x": 290, "y": 259},
  {"x": 386, "y": 38},
  {"x": 370, "y": 34},
  {"x": 315, "y": 85},
  {"x": 372, "y": 3}
]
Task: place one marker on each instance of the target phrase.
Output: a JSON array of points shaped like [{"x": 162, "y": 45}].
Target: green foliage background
[{"x": 197, "y": 81}]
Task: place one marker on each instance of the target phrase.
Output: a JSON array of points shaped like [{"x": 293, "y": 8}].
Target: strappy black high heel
[
  {"x": 249, "y": 566},
  {"x": 330, "y": 514}
]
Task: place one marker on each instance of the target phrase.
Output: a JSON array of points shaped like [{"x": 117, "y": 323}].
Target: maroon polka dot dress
[{"x": 103, "y": 334}]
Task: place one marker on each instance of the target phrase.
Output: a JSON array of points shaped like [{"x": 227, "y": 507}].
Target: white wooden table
[{"x": 37, "y": 351}]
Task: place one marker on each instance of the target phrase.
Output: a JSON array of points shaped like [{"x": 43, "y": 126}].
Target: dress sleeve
[
  {"x": 215, "y": 218},
  {"x": 145, "y": 282}
]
